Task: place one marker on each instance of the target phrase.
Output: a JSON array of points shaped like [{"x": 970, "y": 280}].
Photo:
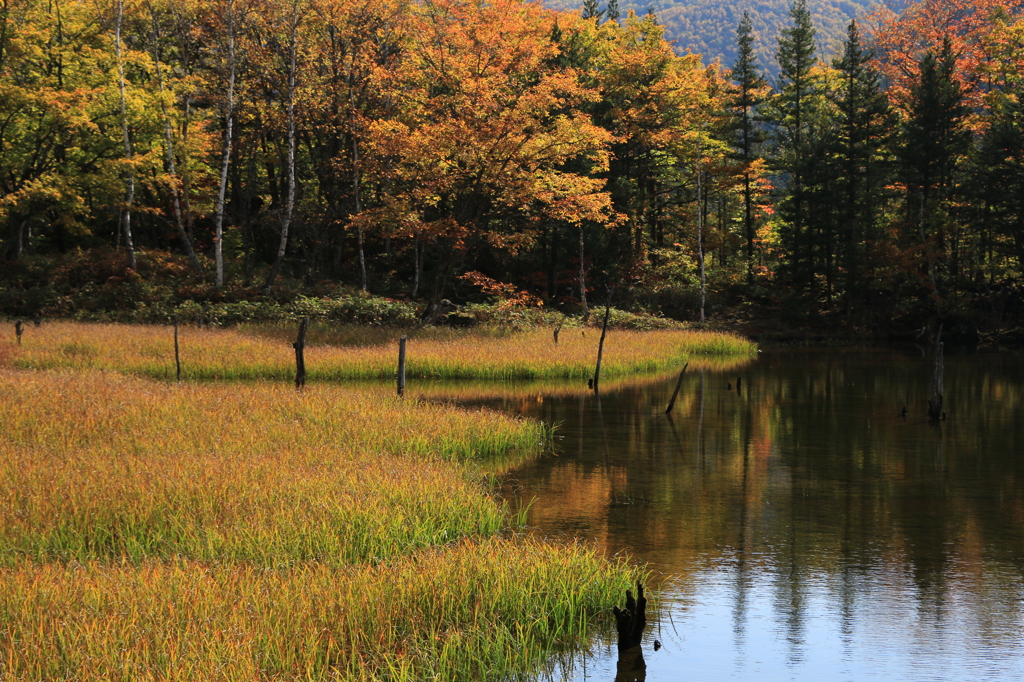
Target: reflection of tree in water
[
  {"x": 630, "y": 666},
  {"x": 807, "y": 471}
]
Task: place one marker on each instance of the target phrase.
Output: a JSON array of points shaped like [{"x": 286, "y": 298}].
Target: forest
[{"x": 462, "y": 150}]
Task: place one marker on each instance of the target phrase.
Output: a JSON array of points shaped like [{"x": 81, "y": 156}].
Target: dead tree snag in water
[
  {"x": 935, "y": 412},
  {"x": 600, "y": 344},
  {"x": 675, "y": 393}
]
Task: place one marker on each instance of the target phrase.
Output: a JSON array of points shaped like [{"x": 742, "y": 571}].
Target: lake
[{"x": 799, "y": 526}]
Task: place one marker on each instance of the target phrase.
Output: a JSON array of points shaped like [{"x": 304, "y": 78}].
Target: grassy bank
[
  {"x": 256, "y": 473},
  {"x": 223, "y": 530},
  {"x": 226, "y": 531},
  {"x": 231, "y": 354},
  {"x": 476, "y": 610}
]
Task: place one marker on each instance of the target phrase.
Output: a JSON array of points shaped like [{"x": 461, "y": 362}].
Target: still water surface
[{"x": 804, "y": 529}]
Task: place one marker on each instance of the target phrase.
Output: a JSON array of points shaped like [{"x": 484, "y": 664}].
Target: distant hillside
[{"x": 709, "y": 26}]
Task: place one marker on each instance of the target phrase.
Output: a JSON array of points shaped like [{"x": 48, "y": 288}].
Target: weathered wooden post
[
  {"x": 679, "y": 383},
  {"x": 18, "y": 330},
  {"x": 300, "y": 360},
  {"x": 177, "y": 351},
  {"x": 401, "y": 366},
  {"x": 600, "y": 344}
]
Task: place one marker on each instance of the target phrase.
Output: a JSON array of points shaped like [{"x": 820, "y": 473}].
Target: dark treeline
[{"x": 457, "y": 149}]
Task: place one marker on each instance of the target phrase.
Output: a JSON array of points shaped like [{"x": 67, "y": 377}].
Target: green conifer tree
[
  {"x": 612, "y": 11},
  {"x": 791, "y": 115},
  {"x": 749, "y": 94},
  {"x": 862, "y": 139},
  {"x": 936, "y": 144}
]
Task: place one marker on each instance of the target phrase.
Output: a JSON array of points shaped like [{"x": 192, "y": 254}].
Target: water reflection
[{"x": 806, "y": 526}]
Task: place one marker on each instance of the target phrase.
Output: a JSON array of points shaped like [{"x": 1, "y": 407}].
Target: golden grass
[
  {"x": 223, "y": 531},
  {"x": 151, "y": 531},
  {"x": 470, "y": 391},
  {"x": 233, "y": 354},
  {"x": 473, "y": 611},
  {"x": 257, "y": 472}
]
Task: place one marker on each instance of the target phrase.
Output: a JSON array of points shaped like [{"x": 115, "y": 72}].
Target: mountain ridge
[{"x": 708, "y": 27}]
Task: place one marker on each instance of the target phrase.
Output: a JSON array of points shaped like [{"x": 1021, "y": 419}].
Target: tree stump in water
[{"x": 631, "y": 621}]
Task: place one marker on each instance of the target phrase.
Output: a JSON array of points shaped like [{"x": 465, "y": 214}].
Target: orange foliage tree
[
  {"x": 474, "y": 155},
  {"x": 902, "y": 40}
]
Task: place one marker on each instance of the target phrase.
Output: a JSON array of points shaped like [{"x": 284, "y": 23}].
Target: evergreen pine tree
[
  {"x": 612, "y": 11},
  {"x": 1001, "y": 173},
  {"x": 590, "y": 10},
  {"x": 792, "y": 117},
  {"x": 749, "y": 94},
  {"x": 936, "y": 142},
  {"x": 862, "y": 137}
]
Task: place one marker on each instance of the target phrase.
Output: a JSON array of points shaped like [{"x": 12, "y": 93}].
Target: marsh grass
[
  {"x": 247, "y": 531},
  {"x": 476, "y": 610},
  {"x": 470, "y": 390},
  {"x": 230, "y": 354},
  {"x": 97, "y": 465}
]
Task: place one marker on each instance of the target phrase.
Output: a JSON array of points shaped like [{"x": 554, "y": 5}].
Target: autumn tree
[
  {"x": 900, "y": 41},
  {"x": 290, "y": 63},
  {"x": 179, "y": 199},
  {"x": 230, "y": 69},
  {"x": 63, "y": 160},
  {"x": 129, "y": 172},
  {"x": 474, "y": 160}
]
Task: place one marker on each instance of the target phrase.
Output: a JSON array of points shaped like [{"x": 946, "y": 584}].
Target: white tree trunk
[
  {"x": 218, "y": 237},
  {"x": 129, "y": 194},
  {"x": 289, "y": 209}
]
